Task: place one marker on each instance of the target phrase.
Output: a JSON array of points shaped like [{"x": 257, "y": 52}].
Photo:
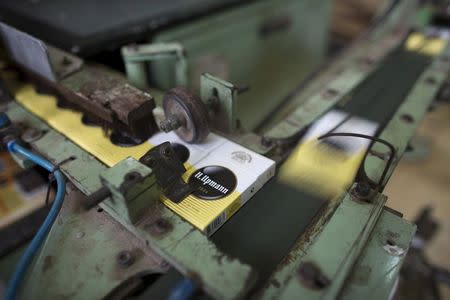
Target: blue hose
[
  {"x": 38, "y": 239},
  {"x": 183, "y": 290}
]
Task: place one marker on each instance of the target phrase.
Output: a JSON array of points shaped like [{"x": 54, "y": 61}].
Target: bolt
[
  {"x": 31, "y": 134},
  {"x": 125, "y": 258},
  {"x": 392, "y": 248},
  {"x": 242, "y": 89},
  {"x": 164, "y": 264},
  {"x": 312, "y": 277},
  {"x": 66, "y": 61},
  {"x": 169, "y": 124},
  {"x": 407, "y": 118},
  {"x": 362, "y": 190},
  {"x": 330, "y": 93},
  {"x": 132, "y": 176},
  {"x": 430, "y": 80},
  {"x": 266, "y": 142},
  {"x": 213, "y": 103},
  {"x": 159, "y": 227}
]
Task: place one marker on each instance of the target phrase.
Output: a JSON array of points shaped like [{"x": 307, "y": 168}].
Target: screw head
[
  {"x": 159, "y": 227},
  {"x": 132, "y": 176},
  {"x": 80, "y": 234},
  {"x": 66, "y": 61},
  {"x": 266, "y": 142},
  {"x": 31, "y": 134},
  {"x": 125, "y": 258},
  {"x": 330, "y": 93}
]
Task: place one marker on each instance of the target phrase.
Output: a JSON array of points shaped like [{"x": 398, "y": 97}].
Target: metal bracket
[
  {"x": 130, "y": 193},
  {"x": 36, "y": 56},
  {"x": 220, "y": 96},
  {"x": 136, "y": 58},
  {"x": 168, "y": 170}
]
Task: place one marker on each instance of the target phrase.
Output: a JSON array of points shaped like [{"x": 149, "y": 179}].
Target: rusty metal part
[
  {"x": 362, "y": 191},
  {"x": 105, "y": 97},
  {"x": 170, "y": 123},
  {"x": 186, "y": 114},
  {"x": 108, "y": 97},
  {"x": 168, "y": 170},
  {"x": 95, "y": 244},
  {"x": 96, "y": 90}
]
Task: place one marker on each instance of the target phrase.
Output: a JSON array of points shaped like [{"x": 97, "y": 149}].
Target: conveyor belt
[
  {"x": 266, "y": 228},
  {"x": 379, "y": 96}
]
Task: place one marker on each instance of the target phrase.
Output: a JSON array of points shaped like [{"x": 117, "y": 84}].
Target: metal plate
[{"x": 27, "y": 51}]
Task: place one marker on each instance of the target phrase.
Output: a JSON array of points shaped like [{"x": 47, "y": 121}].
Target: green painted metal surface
[
  {"x": 338, "y": 246},
  {"x": 402, "y": 126},
  {"x": 136, "y": 59},
  {"x": 178, "y": 245},
  {"x": 273, "y": 41},
  {"x": 376, "y": 271},
  {"x": 79, "y": 259},
  {"x": 221, "y": 97},
  {"x": 398, "y": 131},
  {"x": 345, "y": 238},
  {"x": 335, "y": 83},
  {"x": 80, "y": 167},
  {"x": 130, "y": 196},
  {"x": 380, "y": 251}
]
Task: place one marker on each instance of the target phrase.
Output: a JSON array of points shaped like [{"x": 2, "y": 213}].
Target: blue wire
[
  {"x": 38, "y": 239},
  {"x": 183, "y": 290}
]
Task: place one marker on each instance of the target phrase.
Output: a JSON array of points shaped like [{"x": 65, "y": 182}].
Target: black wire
[
  {"x": 344, "y": 120},
  {"x": 51, "y": 178},
  {"x": 374, "y": 139}
]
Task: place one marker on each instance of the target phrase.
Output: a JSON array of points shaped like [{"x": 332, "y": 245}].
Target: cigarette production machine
[{"x": 207, "y": 149}]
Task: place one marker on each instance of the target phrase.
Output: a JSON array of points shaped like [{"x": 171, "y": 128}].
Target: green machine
[
  {"x": 277, "y": 44},
  {"x": 236, "y": 88}
]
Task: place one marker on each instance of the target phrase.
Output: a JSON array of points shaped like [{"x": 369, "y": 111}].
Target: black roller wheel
[{"x": 190, "y": 113}]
